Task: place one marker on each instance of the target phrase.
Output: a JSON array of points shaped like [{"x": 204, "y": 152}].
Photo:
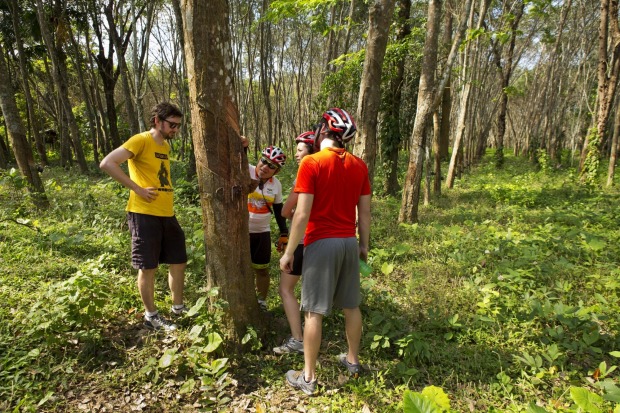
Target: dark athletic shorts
[
  {"x": 298, "y": 260},
  {"x": 260, "y": 250},
  {"x": 155, "y": 240}
]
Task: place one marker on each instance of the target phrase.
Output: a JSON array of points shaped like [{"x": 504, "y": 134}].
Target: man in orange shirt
[
  {"x": 156, "y": 236},
  {"x": 332, "y": 184}
]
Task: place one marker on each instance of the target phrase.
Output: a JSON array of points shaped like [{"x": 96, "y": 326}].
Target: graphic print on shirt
[
  {"x": 261, "y": 200},
  {"x": 163, "y": 173}
]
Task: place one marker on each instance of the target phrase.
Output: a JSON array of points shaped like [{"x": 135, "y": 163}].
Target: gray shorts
[{"x": 331, "y": 275}]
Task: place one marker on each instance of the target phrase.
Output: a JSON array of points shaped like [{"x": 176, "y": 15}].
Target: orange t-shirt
[{"x": 337, "y": 179}]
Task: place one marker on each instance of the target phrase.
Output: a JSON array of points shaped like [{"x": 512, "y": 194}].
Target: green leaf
[
  {"x": 615, "y": 354},
  {"x": 188, "y": 386},
  {"x": 196, "y": 307},
  {"x": 533, "y": 408},
  {"x": 168, "y": 358},
  {"x": 586, "y": 400},
  {"x": 46, "y": 398},
  {"x": 214, "y": 342},
  {"x": 416, "y": 403},
  {"x": 437, "y": 395},
  {"x": 194, "y": 334},
  {"x": 596, "y": 244},
  {"x": 387, "y": 269}
]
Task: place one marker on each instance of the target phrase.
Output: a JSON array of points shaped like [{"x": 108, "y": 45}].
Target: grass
[{"x": 504, "y": 296}]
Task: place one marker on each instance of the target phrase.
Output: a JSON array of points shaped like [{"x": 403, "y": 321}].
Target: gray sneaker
[
  {"x": 179, "y": 311},
  {"x": 159, "y": 323},
  {"x": 354, "y": 369},
  {"x": 298, "y": 381},
  {"x": 290, "y": 346}
]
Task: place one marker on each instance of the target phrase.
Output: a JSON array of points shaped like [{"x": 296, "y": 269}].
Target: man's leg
[
  {"x": 262, "y": 283},
  {"x": 176, "y": 282},
  {"x": 313, "y": 330},
  {"x": 146, "y": 286},
  {"x": 290, "y": 303},
  {"x": 353, "y": 328}
]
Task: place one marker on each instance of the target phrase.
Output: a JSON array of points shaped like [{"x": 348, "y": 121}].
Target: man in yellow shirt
[{"x": 156, "y": 236}]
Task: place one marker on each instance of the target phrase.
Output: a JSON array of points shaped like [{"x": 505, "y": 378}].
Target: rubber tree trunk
[
  {"x": 379, "y": 19},
  {"x": 59, "y": 71},
  {"x": 17, "y": 135},
  {"x": 222, "y": 166}
]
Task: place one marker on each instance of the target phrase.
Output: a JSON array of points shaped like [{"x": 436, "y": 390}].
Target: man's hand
[
  {"x": 286, "y": 263},
  {"x": 149, "y": 194},
  {"x": 363, "y": 253},
  {"x": 282, "y": 242}
]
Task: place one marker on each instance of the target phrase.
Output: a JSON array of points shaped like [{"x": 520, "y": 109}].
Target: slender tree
[
  {"x": 379, "y": 20},
  {"x": 17, "y": 134},
  {"x": 54, "y": 46}
]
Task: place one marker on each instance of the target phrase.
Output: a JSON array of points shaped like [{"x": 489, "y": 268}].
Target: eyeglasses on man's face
[
  {"x": 173, "y": 125},
  {"x": 264, "y": 161}
]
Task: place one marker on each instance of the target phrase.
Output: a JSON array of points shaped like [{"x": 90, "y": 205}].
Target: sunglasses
[
  {"x": 173, "y": 125},
  {"x": 264, "y": 161}
]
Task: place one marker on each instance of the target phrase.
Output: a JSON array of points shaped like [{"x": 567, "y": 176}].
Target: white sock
[
  {"x": 149, "y": 314},
  {"x": 178, "y": 306}
]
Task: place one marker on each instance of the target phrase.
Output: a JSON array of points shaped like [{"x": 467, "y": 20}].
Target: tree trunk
[
  {"x": 608, "y": 71},
  {"x": 428, "y": 101},
  {"x": 379, "y": 20},
  {"x": 120, "y": 41},
  {"x": 17, "y": 134},
  {"x": 265, "y": 70},
  {"x": 23, "y": 67},
  {"x": 222, "y": 166},
  {"x": 411, "y": 189},
  {"x": 59, "y": 71},
  {"x": 506, "y": 73},
  {"x": 613, "y": 157},
  {"x": 392, "y": 137}
]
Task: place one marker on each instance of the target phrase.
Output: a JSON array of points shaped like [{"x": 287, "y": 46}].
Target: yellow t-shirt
[{"x": 150, "y": 167}]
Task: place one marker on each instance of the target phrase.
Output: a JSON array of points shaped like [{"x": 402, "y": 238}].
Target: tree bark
[
  {"x": 608, "y": 72},
  {"x": 222, "y": 166},
  {"x": 613, "y": 156},
  {"x": 17, "y": 134},
  {"x": 411, "y": 189},
  {"x": 391, "y": 124},
  {"x": 59, "y": 71},
  {"x": 379, "y": 20},
  {"x": 23, "y": 68},
  {"x": 428, "y": 101}
]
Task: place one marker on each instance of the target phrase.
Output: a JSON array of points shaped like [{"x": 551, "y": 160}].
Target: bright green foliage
[
  {"x": 431, "y": 400},
  {"x": 503, "y": 298}
]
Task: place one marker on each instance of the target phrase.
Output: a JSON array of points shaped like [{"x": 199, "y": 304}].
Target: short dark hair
[
  {"x": 163, "y": 111},
  {"x": 334, "y": 136}
]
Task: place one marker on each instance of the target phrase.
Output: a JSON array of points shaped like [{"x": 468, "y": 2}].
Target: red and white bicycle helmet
[
  {"x": 339, "y": 121},
  {"x": 306, "y": 137},
  {"x": 275, "y": 155}
]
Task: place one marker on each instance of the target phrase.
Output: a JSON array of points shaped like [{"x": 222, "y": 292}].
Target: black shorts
[
  {"x": 298, "y": 260},
  {"x": 155, "y": 240},
  {"x": 260, "y": 249}
]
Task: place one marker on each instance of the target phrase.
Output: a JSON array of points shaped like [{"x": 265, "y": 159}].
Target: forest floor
[{"x": 504, "y": 297}]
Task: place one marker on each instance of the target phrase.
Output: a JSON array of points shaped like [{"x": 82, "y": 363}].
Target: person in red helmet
[
  {"x": 265, "y": 201},
  {"x": 332, "y": 185},
  {"x": 288, "y": 281}
]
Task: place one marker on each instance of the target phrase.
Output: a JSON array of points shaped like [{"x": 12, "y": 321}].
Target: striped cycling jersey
[{"x": 261, "y": 200}]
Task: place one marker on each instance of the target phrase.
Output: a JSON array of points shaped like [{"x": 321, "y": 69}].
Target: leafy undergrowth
[{"x": 504, "y": 297}]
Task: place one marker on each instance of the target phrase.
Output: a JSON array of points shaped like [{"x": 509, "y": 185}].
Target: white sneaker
[
  {"x": 159, "y": 323},
  {"x": 290, "y": 346}
]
